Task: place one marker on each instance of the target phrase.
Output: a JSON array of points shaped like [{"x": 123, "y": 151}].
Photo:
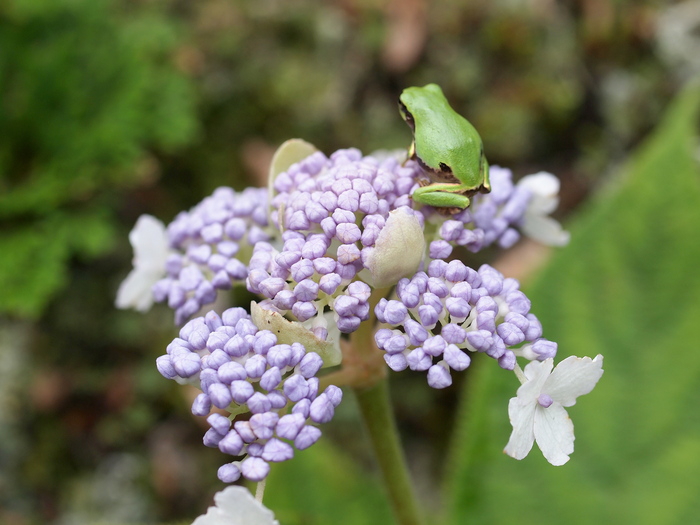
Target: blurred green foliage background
[{"x": 114, "y": 108}]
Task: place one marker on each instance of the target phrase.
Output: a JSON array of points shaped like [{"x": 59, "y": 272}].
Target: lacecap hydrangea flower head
[{"x": 335, "y": 246}]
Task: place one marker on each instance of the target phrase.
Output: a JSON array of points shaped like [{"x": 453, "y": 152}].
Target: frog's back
[{"x": 441, "y": 134}]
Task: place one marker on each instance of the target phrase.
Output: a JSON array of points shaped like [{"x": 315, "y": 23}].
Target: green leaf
[
  {"x": 627, "y": 287},
  {"x": 322, "y": 486}
]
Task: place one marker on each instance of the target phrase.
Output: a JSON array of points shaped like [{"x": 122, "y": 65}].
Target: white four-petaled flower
[
  {"x": 150, "y": 243},
  {"x": 538, "y": 414},
  {"x": 236, "y": 506}
]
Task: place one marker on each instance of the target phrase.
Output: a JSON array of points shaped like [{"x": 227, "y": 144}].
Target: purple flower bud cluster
[
  {"x": 490, "y": 218},
  {"x": 452, "y": 309},
  {"x": 242, "y": 369},
  {"x": 212, "y": 244},
  {"x": 332, "y": 210}
]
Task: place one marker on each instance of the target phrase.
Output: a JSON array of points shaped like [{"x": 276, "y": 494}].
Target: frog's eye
[
  {"x": 445, "y": 168},
  {"x": 407, "y": 115}
]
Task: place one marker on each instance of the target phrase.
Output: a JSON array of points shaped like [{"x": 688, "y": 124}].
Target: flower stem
[{"x": 379, "y": 418}]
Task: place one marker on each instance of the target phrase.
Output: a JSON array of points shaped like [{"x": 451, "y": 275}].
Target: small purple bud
[
  {"x": 507, "y": 360},
  {"x": 176, "y": 296},
  {"x": 453, "y": 333},
  {"x": 231, "y": 371},
  {"x": 334, "y": 394},
  {"x": 544, "y": 349},
  {"x": 395, "y": 312},
  {"x": 440, "y": 250},
  {"x": 201, "y": 405},
  {"x": 198, "y": 333},
  {"x": 219, "y": 423},
  {"x": 302, "y": 407},
  {"x": 438, "y": 287},
  {"x": 481, "y": 340},
  {"x": 458, "y": 308},
  {"x": 229, "y": 473},
  {"x": 428, "y": 316},
  {"x": 518, "y": 302},
  {"x": 314, "y": 248},
  {"x": 324, "y": 265},
  {"x": 296, "y": 388},
  {"x": 313, "y": 383},
  {"x": 302, "y": 270},
  {"x": 289, "y": 426},
  {"x": 259, "y": 403},
  {"x": 277, "y": 399},
  {"x": 381, "y": 336},
  {"x": 415, "y": 331},
  {"x": 264, "y": 340},
  {"x": 437, "y": 268},
  {"x": 348, "y": 253},
  {"x": 491, "y": 279},
  {"x": 434, "y": 346},
  {"x": 244, "y": 430},
  {"x": 306, "y": 290},
  {"x": 271, "y": 286},
  {"x": 271, "y": 378},
  {"x": 360, "y": 290},
  {"x": 455, "y": 271},
  {"x": 497, "y": 349},
  {"x": 236, "y": 269},
  {"x": 322, "y": 410},
  {"x": 255, "y": 366},
  {"x": 231, "y": 444},
  {"x": 241, "y": 391},
  {"x": 262, "y": 425},
  {"x": 329, "y": 283},
  {"x": 254, "y": 449},
  {"x": 186, "y": 365},
  {"x": 279, "y": 355},
  {"x": 237, "y": 346},
  {"x": 410, "y": 296},
  {"x": 276, "y": 451},
  {"x": 534, "y": 329},
  {"x": 246, "y": 327},
  {"x": 231, "y": 316},
  {"x": 518, "y": 320},
  {"x": 207, "y": 378},
  {"x": 220, "y": 395},
  {"x": 439, "y": 376},
  {"x": 345, "y": 305},
  {"x": 486, "y": 321},
  {"x": 211, "y": 438},
  {"x": 191, "y": 275},
  {"x": 397, "y": 362},
  {"x": 310, "y": 364},
  {"x": 347, "y": 325},
  {"x": 165, "y": 367},
  {"x": 348, "y": 233},
  {"x": 418, "y": 360},
  {"x": 217, "y": 340},
  {"x": 451, "y": 229},
  {"x": 456, "y": 358},
  {"x": 329, "y": 226},
  {"x": 212, "y": 320},
  {"x": 304, "y": 311},
  {"x": 255, "y": 469},
  {"x": 545, "y": 400},
  {"x": 510, "y": 333},
  {"x": 307, "y": 437},
  {"x": 396, "y": 344}
]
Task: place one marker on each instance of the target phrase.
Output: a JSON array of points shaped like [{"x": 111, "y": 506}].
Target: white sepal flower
[
  {"x": 537, "y": 224},
  {"x": 236, "y": 506},
  {"x": 150, "y": 243},
  {"x": 538, "y": 414}
]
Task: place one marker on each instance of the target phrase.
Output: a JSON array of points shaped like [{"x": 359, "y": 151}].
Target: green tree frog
[{"x": 447, "y": 147}]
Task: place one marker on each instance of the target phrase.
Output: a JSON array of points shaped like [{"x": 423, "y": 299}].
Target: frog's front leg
[{"x": 443, "y": 195}]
